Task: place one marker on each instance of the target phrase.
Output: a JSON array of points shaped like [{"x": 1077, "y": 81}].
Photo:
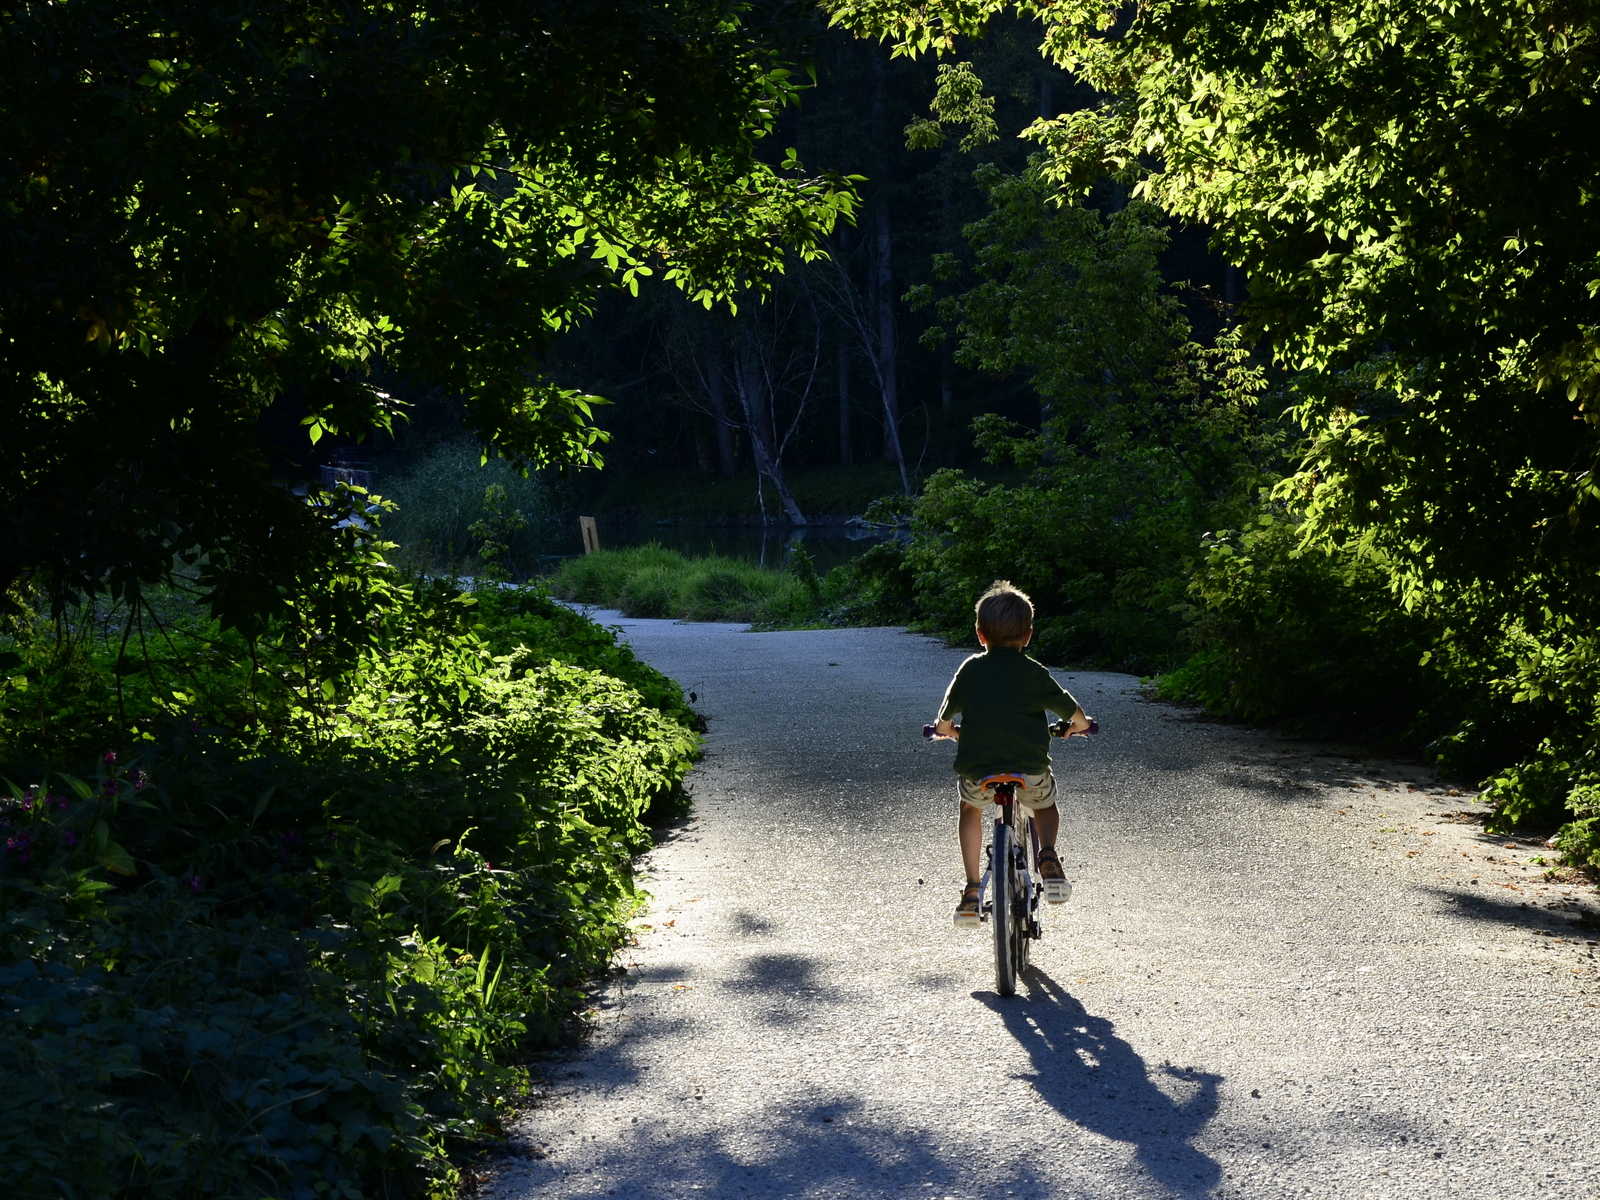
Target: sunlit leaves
[{"x": 271, "y": 204}]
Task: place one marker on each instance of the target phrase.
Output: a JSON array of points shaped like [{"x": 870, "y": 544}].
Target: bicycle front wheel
[{"x": 1003, "y": 914}]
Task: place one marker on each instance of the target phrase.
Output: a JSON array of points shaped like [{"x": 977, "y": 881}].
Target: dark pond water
[{"x": 828, "y": 545}]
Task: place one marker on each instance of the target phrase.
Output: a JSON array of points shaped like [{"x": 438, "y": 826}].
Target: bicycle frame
[{"x": 1011, "y": 943}]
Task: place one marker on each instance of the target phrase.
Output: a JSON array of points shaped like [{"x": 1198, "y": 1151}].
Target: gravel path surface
[{"x": 1283, "y": 972}]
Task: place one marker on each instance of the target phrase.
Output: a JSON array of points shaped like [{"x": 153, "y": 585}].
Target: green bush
[
  {"x": 1307, "y": 637},
  {"x": 447, "y": 509},
  {"x": 298, "y": 948}
]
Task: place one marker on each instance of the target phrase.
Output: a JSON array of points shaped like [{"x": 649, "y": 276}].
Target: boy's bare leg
[
  {"x": 1049, "y": 822},
  {"x": 970, "y": 827}
]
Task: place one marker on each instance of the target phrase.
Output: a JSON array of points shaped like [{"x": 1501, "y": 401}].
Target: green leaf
[{"x": 114, "y": 858}]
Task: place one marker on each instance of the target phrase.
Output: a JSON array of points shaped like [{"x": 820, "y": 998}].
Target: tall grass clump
[
  {"x": 448, "y": 514},
  {"x": 651, "y": 581}
]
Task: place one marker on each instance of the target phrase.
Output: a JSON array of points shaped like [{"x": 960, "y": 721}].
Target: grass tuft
[{"x": 650, "y": 581}]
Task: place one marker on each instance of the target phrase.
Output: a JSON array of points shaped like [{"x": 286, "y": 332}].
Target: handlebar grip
[
  {"x": 1059, "y": 729},
  {"x": 929, "y": 732}
]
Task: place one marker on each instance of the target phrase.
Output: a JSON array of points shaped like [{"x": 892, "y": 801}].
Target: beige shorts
[{"x": 1040, "y": 792}]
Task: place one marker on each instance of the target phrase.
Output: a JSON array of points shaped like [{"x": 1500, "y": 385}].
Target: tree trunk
[
  {"x": 883, "y": 274},
  {"x": 887, "y": 369},
  {"x": 726, "y": 459},
  {"x": 847, "y": 449},
  {"x": 752, "y": 400}
]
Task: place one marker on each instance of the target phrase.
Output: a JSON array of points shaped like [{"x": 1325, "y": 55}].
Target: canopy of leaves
[
  {"x": 207, "y": 208},
  {"x": 1411, "y": 190}
]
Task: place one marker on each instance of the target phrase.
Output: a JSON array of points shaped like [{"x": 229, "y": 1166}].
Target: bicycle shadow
[{"x": 1094, "y": 1078}]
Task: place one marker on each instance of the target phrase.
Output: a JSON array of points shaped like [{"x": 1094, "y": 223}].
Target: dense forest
[{"x": 1260, "y": 345}]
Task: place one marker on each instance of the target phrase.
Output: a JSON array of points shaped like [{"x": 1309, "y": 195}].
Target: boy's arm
[
  {"x": 944, "y": 725},
  {"x": 1079, "y": 721}
]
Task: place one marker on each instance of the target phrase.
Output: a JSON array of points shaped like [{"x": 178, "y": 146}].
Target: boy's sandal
[
  {"x": 1056, "y": 888},
  {"x": 967, "y": 913}
]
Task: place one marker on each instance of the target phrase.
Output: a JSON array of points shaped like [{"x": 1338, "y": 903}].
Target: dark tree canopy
[
  {"x": 208, "y": 207},
  {"x": 1411, "y": 189}
]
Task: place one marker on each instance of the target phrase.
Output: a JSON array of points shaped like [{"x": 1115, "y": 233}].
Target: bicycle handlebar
[{"x": 1059, "y": 729}]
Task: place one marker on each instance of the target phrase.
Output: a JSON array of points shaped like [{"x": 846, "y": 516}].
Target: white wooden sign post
[{"x": 591, "y": 534}]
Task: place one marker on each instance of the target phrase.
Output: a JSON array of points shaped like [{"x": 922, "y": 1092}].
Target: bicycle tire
[
  {"x": 1003, "y": 913},
  {"x": 1027, "y": 912}
]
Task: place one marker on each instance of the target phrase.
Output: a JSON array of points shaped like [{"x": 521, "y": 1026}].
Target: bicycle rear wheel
[
  {"x": 1004, "y": 911},
  {"x": 1027, "y": 905}
]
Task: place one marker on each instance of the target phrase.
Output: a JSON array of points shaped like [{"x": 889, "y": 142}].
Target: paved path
[{"x": 1282, "y": 973}]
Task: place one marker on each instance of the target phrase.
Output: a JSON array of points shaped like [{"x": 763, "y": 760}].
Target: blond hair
[{"x": 1005, "y": 614}]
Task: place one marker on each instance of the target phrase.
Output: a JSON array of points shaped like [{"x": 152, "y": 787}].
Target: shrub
[
  {"x": 302, "y": 958},
  {"x": 448, "y": 506}
]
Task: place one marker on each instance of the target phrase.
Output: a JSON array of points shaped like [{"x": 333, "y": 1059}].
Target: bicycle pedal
[{"x": 1057, "y": 891}]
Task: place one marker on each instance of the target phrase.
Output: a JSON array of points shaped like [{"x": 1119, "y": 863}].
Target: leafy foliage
[
  {"x": 293, "y": 939},
  {"x": 443, "y": 520},
  {"x": 1148, "y": 439},
  {"x": 207, "y": 210},
  {"x": 1369, "y": 172}
]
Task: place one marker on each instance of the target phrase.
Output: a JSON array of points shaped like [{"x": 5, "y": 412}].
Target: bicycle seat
[{"x": 994, "y": 781}]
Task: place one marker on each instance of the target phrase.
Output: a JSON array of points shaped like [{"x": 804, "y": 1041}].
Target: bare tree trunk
[
  {"x": 847, "y": 449},
  {"x": 883, "y": 281},
  {"x": 888, "y": 374},
  {"x": 719, "y": 410},
  {"x": 751, "y": 388}
]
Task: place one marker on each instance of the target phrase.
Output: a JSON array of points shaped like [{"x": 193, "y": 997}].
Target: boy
[{"x": 1002, "y": 695}]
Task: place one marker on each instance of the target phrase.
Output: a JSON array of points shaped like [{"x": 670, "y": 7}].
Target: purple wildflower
[
  {"x": 109, "y": 786},
  {"x": 139, "y": 779},
  {"x": 111, "y": 756},
  {"x": 194, "y": 883},
  {"x": 27, "y": 802},
  {"x": 70, "y": 838},
  {"x": 60, "y": 802}
]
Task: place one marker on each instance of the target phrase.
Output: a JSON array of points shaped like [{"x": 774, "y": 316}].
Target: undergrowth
[
  {"x": 278, "y": 926},
  {"x": 651, "y": 581}
]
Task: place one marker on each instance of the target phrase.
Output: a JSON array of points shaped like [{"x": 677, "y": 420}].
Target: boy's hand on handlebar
[
  {"x": 1079, "y": 725},
  {"x": 946, "y": 729}
]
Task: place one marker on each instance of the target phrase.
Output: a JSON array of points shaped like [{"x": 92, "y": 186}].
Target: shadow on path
[
  {"x": 1485, "y": 905},
  {"x": 1094, "y": 1078}
]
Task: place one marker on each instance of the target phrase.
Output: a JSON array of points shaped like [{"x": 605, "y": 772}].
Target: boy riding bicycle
[{"x": 1001, "y": 696}]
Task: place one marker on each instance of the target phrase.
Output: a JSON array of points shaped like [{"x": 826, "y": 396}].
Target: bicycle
[{"x": 1013, "y": 851}]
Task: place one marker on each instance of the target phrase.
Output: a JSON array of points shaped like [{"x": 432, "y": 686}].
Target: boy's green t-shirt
[{"x": 1002, "y": 695}]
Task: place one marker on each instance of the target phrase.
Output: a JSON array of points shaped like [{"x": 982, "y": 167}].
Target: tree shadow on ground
[
  {"x": 1095, "y": 1079},
  {"x": 826, "y": 1147},
  {"x": 1518, "y": 914}
]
